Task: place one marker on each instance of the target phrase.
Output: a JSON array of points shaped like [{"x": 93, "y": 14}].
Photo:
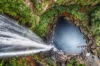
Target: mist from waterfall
[{"x": 17, "y": 40}]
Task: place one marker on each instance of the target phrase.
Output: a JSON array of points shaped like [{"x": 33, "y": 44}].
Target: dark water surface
[{"x": 68, "y": 37}]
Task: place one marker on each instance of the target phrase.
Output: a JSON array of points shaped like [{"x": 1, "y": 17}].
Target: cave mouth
[{"x": 67, "y": 37}]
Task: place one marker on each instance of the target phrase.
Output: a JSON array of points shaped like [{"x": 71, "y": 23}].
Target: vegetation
[
  {"x": 19, "y": 11},
  {"x": 95, "y": 27},
  {"x": 45, "y": 17},
  {"x": 46, "y": 10},
  {"x": 72, "y": 63}
]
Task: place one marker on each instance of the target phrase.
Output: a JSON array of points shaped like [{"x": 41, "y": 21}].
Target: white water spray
[{"x": 16, "y": 40}]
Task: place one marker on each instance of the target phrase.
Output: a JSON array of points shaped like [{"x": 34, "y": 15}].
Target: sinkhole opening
[{"x": 67, "y": 37}]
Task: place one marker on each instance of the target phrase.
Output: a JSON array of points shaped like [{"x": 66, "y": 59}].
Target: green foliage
[
  {"x": 59, "y": 2},
  {"x": 70, "y": 62},
  {"x": 1, "y": 62},
  {"x": 50, "y": 62},
  {"x": 45, "y": 17},
  {"x": 71, "y": 7},
  {"x": 86, "y": 2},
  {"x": 73, "y": 62},
  {"x": 95, "y": 27},
  {"x": 39, "y": 5},
  {"x": 79, "y": 2},
  {"x": 13, "y": 62},
  {"x": 19, "y": 11},
  {"x": 98, "y": 40}
]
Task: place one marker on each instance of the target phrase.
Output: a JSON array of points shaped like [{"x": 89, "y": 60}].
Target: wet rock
[
  {"x": 90, "y": 42},
  {"x": 60, "y": 57},
  {"x": 85, "y": 33}
]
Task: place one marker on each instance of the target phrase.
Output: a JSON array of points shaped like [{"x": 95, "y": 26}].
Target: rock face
[{"x": 68, "y": 38}]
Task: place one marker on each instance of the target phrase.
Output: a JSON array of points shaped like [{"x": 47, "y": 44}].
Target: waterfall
[{"x": 16, "y": 40}]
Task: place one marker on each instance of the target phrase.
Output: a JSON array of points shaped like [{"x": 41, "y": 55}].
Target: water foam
[{"x": 16, "y": 40}]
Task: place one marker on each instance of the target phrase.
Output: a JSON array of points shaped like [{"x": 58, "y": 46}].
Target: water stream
[{"x": 17, "y": 40}]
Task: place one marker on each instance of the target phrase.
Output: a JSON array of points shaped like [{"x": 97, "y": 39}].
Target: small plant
[
  {"x": 98, "y": 40},
  {"x": 72, "y": 62},
  {"x": 95, "y": 28}
]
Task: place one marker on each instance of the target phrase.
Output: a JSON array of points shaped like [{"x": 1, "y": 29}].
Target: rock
[
  {"x": 91, "y": 60},
  {"x": 85, "y": 32}
]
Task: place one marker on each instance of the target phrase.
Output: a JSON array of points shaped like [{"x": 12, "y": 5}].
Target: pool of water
[{"x": 67, "y": 37}]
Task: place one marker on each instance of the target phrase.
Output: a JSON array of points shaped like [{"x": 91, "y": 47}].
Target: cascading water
[{"x": 16, "y": 40}]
